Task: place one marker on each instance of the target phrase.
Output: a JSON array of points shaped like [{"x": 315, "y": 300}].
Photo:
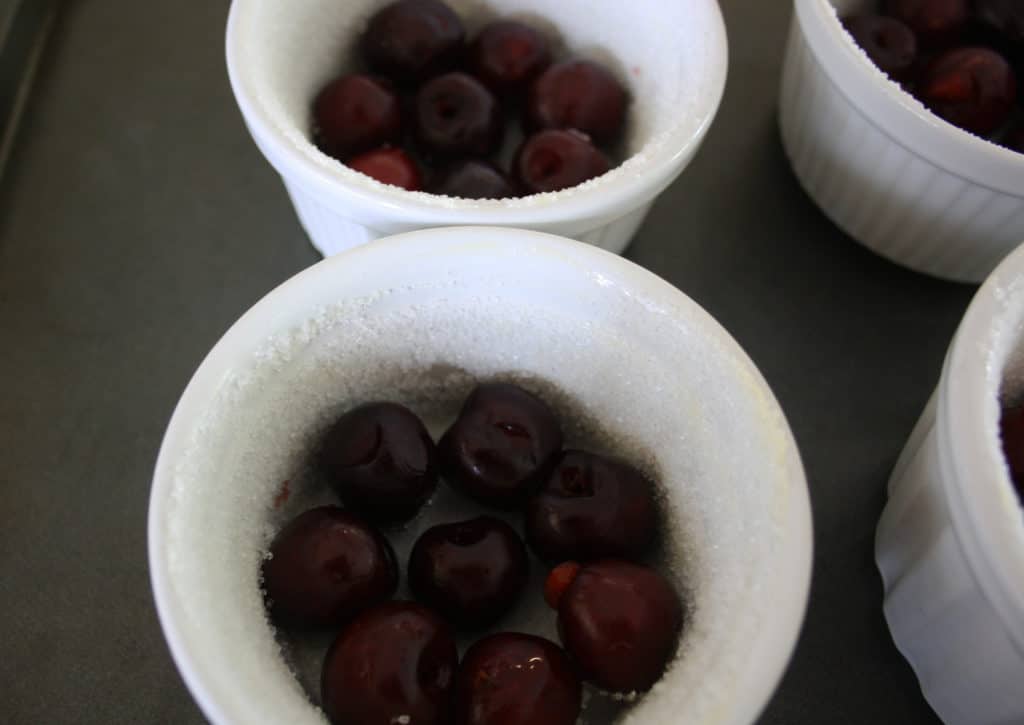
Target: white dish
[
  {"x": 890, "y": 173},
  {"x": 950, "y": 544},
  {"x": 631, "y": 364},
  {"x": 673, "y": 57}
]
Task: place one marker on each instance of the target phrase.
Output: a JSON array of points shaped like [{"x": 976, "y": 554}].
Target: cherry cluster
[
  {"x": 956, "y": 56},
  {"x": 433, "y": 111},
  {"x": 396, "y": 661}
]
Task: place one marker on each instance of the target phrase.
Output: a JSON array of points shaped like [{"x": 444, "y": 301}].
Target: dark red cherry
[
  {"x": 621, "y": 624},
  {"x": 381, "y": 461},
  {"x": 973, "y": 88},
  {"x": 395, "y": 663},
  {"x": 473, "y": 179},
  {"x": 578, "y": 94},
  {"x": 355, "y": 113},
  {"x": 1012, "y": 430},
  {"x": 937, "y": 23},
  {"x": 555, "y": 160},
  {"x": 592, "y": 507},
  {"x": 457, "y": 116},
  {"x": 517, "y": 679},
  {"x": 507, "y": 56},
  {"x": 499, "y": 448},
  {"x": 890, "y": 44},
  {"x": 471, "y": 572},
  {"x": 326, "y": 566},
  {"x": 389, "y": 166},
  {"x": 411, "y": 40}
]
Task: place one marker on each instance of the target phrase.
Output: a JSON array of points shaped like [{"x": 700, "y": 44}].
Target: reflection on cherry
[
  {"x": 500, "y": 446},
  {"x": 619, "y": 621},
  {"x": 517, "y": 679},
  {"x": 395, "y": 663},
  {"x": 325, "y": 566}
]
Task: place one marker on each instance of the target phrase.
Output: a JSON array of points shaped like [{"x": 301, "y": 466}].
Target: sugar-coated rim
[
  {"x": 769, "y": 655},
  {"x": 983, "y": 505},
  {"x": 905, "y": 120},
  {"x": 604, "y": 197}
]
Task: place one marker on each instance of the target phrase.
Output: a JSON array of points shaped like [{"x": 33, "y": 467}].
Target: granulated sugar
[
  {"x": 1005, "y": 367},
  {"x": 1003, "y": 347},
  {"x": 664, "y": 395},
  {"x": 849, "y": 8}
]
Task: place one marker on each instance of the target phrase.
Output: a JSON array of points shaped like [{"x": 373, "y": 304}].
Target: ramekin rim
[
  {"x": 608, "y": 197},
  {"x": 839, "y": 47},
  {"x": 797, "y": 538},
  {"x": 991, "y": 542}
]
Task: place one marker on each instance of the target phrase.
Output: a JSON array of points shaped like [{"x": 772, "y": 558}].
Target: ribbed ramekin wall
[
  {"x": 331, "y": 231},
  {"x": 903, "y": 206},
  {"x": 939, "y": 616}
]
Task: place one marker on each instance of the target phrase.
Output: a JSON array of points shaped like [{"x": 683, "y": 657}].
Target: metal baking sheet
[{"x": 138, "y": 221}]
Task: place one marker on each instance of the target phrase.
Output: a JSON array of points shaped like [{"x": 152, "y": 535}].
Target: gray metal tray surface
[{"x": 138, "y": 221}]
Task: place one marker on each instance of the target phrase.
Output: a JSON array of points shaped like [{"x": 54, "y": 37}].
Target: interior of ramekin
[
  {"x": 629, "y": 362},
  {"x": 672, "y": 56},
  {"x": 984, "y": 372},
  {"x": 888, "y": 104}
]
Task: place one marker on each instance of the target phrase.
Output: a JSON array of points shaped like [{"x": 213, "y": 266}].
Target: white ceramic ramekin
[
  {"x": 892, "y": 175},
  {"x": 950, "y": 544},
  {"x": 673, "y": 56},
  {"x": 626, "y": 359}
]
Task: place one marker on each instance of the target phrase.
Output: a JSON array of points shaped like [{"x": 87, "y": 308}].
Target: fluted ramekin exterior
[
  {"x": 873, "y": 179},
  {"x": 950, "y": 543}
]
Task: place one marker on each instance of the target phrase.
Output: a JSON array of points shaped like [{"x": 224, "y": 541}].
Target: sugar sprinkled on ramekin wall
[{"x": 633, "y": 367}]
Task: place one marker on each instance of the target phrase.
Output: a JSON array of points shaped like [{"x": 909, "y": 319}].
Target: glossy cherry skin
[
  {"x": 973, "y": 88},
  {"x": 554, "y": 160},
  {"x": 891, "y": 45},
  {"x": 621, "y": 624},
  {"x": 389, "y": 166},
  {"x": 472, "y": 179},
  {"x": 457, "y": 116},
  {"x": 1012, "y": 429},
  {"x": 326, "y": 566},
  {"x": 517, "y": 679},
  {"x": 471, "y": 572},
  {"x": 592, "y": 507},
  {"x": 507, "y": 56},
  {"x": 578, "y": 94},
  {"x": 381, "y": 461},
  {"x": 936, "y": 23},
  {"x": 355, "y": 113},
  {"x": 395, "y": 663},
  {"x": 412, "y": 40},
  {"x": 499, "y": 448}
]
